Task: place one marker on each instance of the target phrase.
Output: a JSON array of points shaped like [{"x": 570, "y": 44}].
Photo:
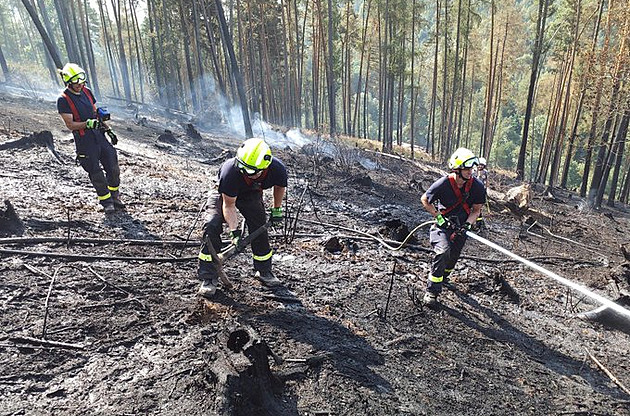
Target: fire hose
[{"x": 566, "y": 282}]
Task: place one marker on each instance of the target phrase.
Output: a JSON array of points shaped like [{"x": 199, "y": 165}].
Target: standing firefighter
[
  {"x": 455, "y": 201},
  {"x": 77, "y": 108},
  {"x": 242, "y": 180},
  {"x": 482, "y": 172}
]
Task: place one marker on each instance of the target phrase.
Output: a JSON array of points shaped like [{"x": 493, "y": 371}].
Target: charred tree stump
[
  {"x": 255, "y": 390},
  {"x": 43, "y": 138},
  {"x": 10, "y": 223}
]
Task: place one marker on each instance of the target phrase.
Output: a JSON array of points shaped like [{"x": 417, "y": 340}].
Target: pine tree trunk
[
  {"x": 234, "y": 69},
  {"x": 537, "y": 52},
  {"x": 52, "y": 49}
]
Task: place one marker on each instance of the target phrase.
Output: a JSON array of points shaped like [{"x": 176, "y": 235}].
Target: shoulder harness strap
[
  {"x": 461, "y": 198},
  {"x": 73, "y": 107}
]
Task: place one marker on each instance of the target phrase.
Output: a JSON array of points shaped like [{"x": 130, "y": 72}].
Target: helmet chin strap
[{"x": 458, "y": 172}]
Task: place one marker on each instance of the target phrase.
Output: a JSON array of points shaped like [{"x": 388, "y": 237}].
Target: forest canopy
[{"x": 537, "y": 87}]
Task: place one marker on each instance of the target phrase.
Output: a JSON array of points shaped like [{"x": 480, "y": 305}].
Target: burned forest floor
[{"x": 100, "y": 313}]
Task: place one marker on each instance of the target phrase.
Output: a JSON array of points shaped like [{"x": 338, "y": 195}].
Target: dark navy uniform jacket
[
  {"x": 232, "y": 182},
  {"x": 86, "y": 111},
  {"x": 442, "y": 193}
]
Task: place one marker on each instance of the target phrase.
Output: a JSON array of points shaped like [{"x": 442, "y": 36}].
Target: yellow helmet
[
  {"x": 253, "y": 156},
  {"x": 462, "y": 159},
  {"x": 72, "y": 74}
]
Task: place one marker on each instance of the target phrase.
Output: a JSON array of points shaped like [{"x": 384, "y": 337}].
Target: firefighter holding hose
[{"x": 455, "y": 202}]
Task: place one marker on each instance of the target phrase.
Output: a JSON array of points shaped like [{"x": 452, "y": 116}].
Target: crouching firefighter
[
  {"x": 455, "y": 202},
  {"x": 241, "y": 182},
  {"x": 77, "y": 107}
]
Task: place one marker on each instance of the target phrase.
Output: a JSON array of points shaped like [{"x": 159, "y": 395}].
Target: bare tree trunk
[
  {"x": 330, "y": 75},
  {"x": 234, "y": 68},
  {"x": 189, "y": 70},
  {"x": 52, "y": 49},
  {"x": 456, "y": 71},
  {"x": 444, "y": 147},
  {"x": 598, "y": 185},
  {"x": 49, "y": 29},
  {"x": 538, "y": 45},
  {"x": 565, "y": 104},
  {"x": 431, "y": 127},
  {"x": 619, "y": 147},
  {"x": 124, "y": 68},
  {"x": 361, "y": 62},
  {"x": 498, "y": 95},
  {"x": 216, "y": 63},
  {"x": 85, "y": 29},
  {"x": 412, "y": 109},
  {"x": 485, "y": 130},
  {"x": 463, "y": 87},
  {"x": 198, "y": 54},
  {"x": 154, "y": 50},
  {"x": 69, "y": 44},
  {"x": 5, "y": 67}
]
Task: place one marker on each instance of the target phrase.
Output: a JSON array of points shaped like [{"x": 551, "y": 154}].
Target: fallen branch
[
  {"x": 109, "y": 304},
  {"x": 46, "y": 303},
  {"x": 83, "y": 257},
  {"x": 608, "y": 373},
  {"x": 37, "y": 240},
  {"x": 368, "y": 237},
  {"x": 46, "y": 343},
  {"x": 131, "y": 297}
]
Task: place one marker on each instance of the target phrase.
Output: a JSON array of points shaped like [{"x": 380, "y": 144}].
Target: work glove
[
  {"x": 92, "y": 123},
  {"x": 276, "y": 216},
  {"x": 235, "y": 236},
  {"x": 463, "y": 228},
  {"x": 443, "y": 222},
  {"x": 112, "y": 136}
]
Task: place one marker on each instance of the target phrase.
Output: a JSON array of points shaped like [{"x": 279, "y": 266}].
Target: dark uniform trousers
[
  {"x": 447, "y": 246},
  {"x": 250, "y": 205},
  {"x": 94, "y": 151}
]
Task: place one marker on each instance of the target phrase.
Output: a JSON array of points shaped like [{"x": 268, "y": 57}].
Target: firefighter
[
  {"x": 241, "y": 182},
  {"x": 77, "y": 107},
  {"x": 455, "y": 202},
  {"x": 482, "y": 172}
]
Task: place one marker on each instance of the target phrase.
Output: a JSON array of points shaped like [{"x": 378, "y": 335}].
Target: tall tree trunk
[
  {"x": 52, "y": 49},
  {"x": 189, "y": 70},
  {"x": 63, "y": 23},
  {"x": 235, "y": 70},
  {"x": 330, "y": 75},
  {"x": 464, "y": 69},
  {"x": 412, "y": 109},
  {"x": 456, "y": 71},
  {"x": 122, "y": 55},
  {"x": 486, "y": 127},
  {"x": 598, "y": 185},
  {"x": 444, "y": 145},
  {"x": 584, "y": 81},
  {"x": 619, "y": 147},
  {"x": 536, "y": 53},
  {"x": 361, "y": 62},
  {"x": 431, "y": 127},
  {"x": 5, "y": 67}
]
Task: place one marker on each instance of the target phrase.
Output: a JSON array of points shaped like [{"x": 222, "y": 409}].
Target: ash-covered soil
[{"x": 344, "y": 335}]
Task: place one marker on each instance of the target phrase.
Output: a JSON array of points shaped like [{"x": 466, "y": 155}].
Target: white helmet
[{"x": 482, "y": 161}]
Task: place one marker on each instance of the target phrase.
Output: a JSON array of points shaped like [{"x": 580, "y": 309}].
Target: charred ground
[{"x": 343, "y": 335}]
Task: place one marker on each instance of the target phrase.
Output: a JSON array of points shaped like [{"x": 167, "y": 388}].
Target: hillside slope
[{"x": 344, "y": 335}]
